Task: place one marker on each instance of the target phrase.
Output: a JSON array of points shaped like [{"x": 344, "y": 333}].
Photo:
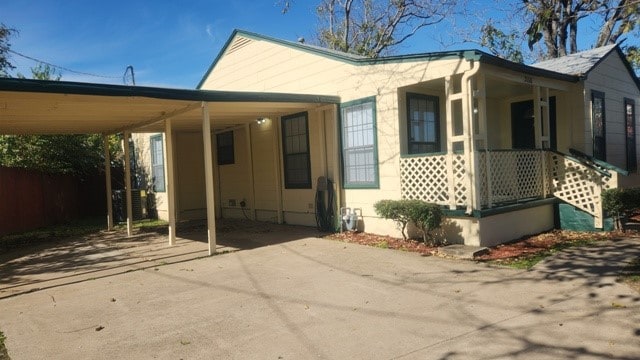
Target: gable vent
[{"x": 238, "y": 44}]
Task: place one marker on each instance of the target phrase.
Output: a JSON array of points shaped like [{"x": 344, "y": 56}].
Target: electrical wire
[{"x": 61, "y": 67}]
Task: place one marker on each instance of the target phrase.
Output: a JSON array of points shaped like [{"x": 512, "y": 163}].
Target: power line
[{"x": 62, "y": 67}]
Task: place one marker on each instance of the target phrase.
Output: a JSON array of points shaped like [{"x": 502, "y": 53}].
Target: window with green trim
[
  {"x": 295, "y": 151},
  {"x": 157, "y": 163},
  {"x": 598, "y": 126},
  {"x": 359, "y": 143},
  {"x": 423, "y": 122}
]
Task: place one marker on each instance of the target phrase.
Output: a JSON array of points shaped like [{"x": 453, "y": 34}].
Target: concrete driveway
[{"x": 314, "y": 298}]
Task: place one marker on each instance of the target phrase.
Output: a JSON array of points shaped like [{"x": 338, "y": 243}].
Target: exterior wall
[
  {"x": 190, "y": 187},
  {"x": 276, "y": 68},
  {"x": 512, "y": 225},
  {"x": 142, "y": 146},
  {"x": 233, "y": 180},
  {"x": 612, "y": 78}
]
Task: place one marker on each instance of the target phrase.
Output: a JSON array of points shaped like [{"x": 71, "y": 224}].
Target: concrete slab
[
  {"x": 315, "y": 298},
  {"x": 465, "y": 252}
]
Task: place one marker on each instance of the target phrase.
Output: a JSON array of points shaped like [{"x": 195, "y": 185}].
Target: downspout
[{"x": 467, "y": 113}]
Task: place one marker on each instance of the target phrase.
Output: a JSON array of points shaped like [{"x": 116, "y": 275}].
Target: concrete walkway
[{"x": 314, "y": 298}]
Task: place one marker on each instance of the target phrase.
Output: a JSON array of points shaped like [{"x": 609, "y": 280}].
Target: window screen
[
  {"x": 359, "y": 153},
  {"x": 157, "y": 163},
  {"x": 295, "y": 148}
]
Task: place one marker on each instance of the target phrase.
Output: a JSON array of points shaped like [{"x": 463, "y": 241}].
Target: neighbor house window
[
  {"x": 224, "y": 147},
  {"x": 295, "y": 149},
  {"x": 630, "y": 132},
  {"x": 157, "y": 163},
  {"x": 423, "y": 122},
  {"x": 599, "y": 131},
  {"x": 359, "y": 144}
]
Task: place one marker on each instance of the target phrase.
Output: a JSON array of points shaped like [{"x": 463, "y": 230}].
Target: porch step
[{"x": 462, "y": 251}]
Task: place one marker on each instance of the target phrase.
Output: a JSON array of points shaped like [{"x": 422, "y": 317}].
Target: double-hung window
[
  {"x": 598, "y": 125},
  {"x": 359, "y": 143},
  {"x": 630, "y": 134},
  {"x": 157, "y": 163},
  {"x": 423, "y": 121},
  {"x": 295, "y": 149},
  {"x": 224, "y": 148}
]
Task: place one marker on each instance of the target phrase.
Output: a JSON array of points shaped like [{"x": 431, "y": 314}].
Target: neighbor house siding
[{"x": 612, "y": 78}]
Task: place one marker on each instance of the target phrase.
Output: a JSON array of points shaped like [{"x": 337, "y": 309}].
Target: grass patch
[
  {"x": 527, "y": 261},
  {"x": 71, "y": 229},
  {"x": 74, "y": 228},
  {"x": 4, "y": 355}
]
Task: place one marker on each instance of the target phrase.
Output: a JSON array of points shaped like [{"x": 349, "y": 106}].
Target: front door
[
  {"x": 522, "y": 129},
  {"x": 522, "y": 125}
]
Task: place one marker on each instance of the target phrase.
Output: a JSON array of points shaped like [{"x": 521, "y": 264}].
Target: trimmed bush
[
  {"x": 620, "y": 203},
  {"x": 425, "y": 216}
]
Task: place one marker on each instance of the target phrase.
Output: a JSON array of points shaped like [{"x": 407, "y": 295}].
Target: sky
[{"x": 168, "y": 43}]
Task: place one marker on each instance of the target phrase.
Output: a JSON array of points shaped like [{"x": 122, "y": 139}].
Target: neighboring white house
[{"x": 488, "y": 139}]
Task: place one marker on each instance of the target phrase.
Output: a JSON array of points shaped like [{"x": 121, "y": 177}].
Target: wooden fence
[{"x": 31, "y": 199}]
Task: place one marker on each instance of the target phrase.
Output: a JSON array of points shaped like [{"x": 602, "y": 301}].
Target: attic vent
[{"x": 238, "y": 43}]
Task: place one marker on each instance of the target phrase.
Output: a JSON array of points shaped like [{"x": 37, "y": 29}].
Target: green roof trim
[
  {"x": 78, "y": 88},
  {"x": 469, "y": 55}
]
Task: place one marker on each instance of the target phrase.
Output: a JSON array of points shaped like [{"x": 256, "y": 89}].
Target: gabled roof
[
  {"x": 239, "y": 38},
  {"x": 578, "y": 64},
  {"x": 581, "y": 63}
]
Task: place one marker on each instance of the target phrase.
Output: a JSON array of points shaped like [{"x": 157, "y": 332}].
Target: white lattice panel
[
  {"x": 577, "y": 184},
  {"x": 511, "y": 175},
  {"x": 427, "y": 178},
  {"x": 460, "y": 176}
]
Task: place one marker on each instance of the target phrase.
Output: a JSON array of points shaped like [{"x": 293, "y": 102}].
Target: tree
[
  {"x": 555, "y": 22},
  {"x": 374, "y": 27},
  {"x": 5, "y": 65},
  {"x": 76, "y": 154},
  {"x": 500, "y": 43}
]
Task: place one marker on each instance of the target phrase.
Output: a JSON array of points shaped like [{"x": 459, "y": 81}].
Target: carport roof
[{"x": 59, "y": 107}]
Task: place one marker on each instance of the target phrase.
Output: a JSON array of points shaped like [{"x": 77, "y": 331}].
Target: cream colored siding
[
  {"x": 612, "y": 78},
  {"x": 143, "y": 156},
  {"x": 233, "y": 179},
  {"x": 265, "y": 148},
  {"x": 264, "y": 66},
  {"x": 189, "y": 153}
]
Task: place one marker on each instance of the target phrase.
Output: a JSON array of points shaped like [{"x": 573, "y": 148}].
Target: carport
[{"x": 39, "y": 107}]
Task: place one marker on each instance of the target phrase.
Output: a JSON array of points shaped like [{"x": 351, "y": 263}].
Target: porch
[{"x": 505, "y": 177}]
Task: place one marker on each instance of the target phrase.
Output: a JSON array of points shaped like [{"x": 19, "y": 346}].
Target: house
[{"x": 496, "y": 143}]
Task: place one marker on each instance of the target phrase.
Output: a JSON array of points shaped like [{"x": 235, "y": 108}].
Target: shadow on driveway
[{"x": 103, "y": 254}]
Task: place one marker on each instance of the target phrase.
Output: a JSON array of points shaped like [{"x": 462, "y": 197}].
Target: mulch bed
[
  {"x": 525, "y": 246},
  {"x": 381, "y": 241}
]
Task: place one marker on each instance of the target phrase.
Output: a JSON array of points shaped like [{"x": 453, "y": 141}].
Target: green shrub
[
  {"x": 620, "y": 203},
  {"x": 425, "y": 216}
]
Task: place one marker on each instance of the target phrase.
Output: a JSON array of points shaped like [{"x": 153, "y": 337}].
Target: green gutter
[{"x": 76, "y": 88}]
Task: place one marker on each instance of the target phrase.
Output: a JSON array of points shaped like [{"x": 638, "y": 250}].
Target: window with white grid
[
  {"x": 359, "y": 144},
  {"x": 157, "y": 163}
]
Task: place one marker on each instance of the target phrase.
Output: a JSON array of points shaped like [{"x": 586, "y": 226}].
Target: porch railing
[{"x": 505, "y": 177}]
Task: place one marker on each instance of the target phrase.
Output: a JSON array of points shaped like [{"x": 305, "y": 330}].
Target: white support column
[
  {"x": 448, "y": 85},
  {"x": 107, "y": 179},
  {"x": 337, "y": 160},
  {"x": 127, "y": 181},
  {"x": 278, "y": 167},
  {"x": 169, "y": 182},
  {"x": 252, "y": 189},
  {"x": 537, "y": 124},
  {"x": 208, "y": 176}
]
